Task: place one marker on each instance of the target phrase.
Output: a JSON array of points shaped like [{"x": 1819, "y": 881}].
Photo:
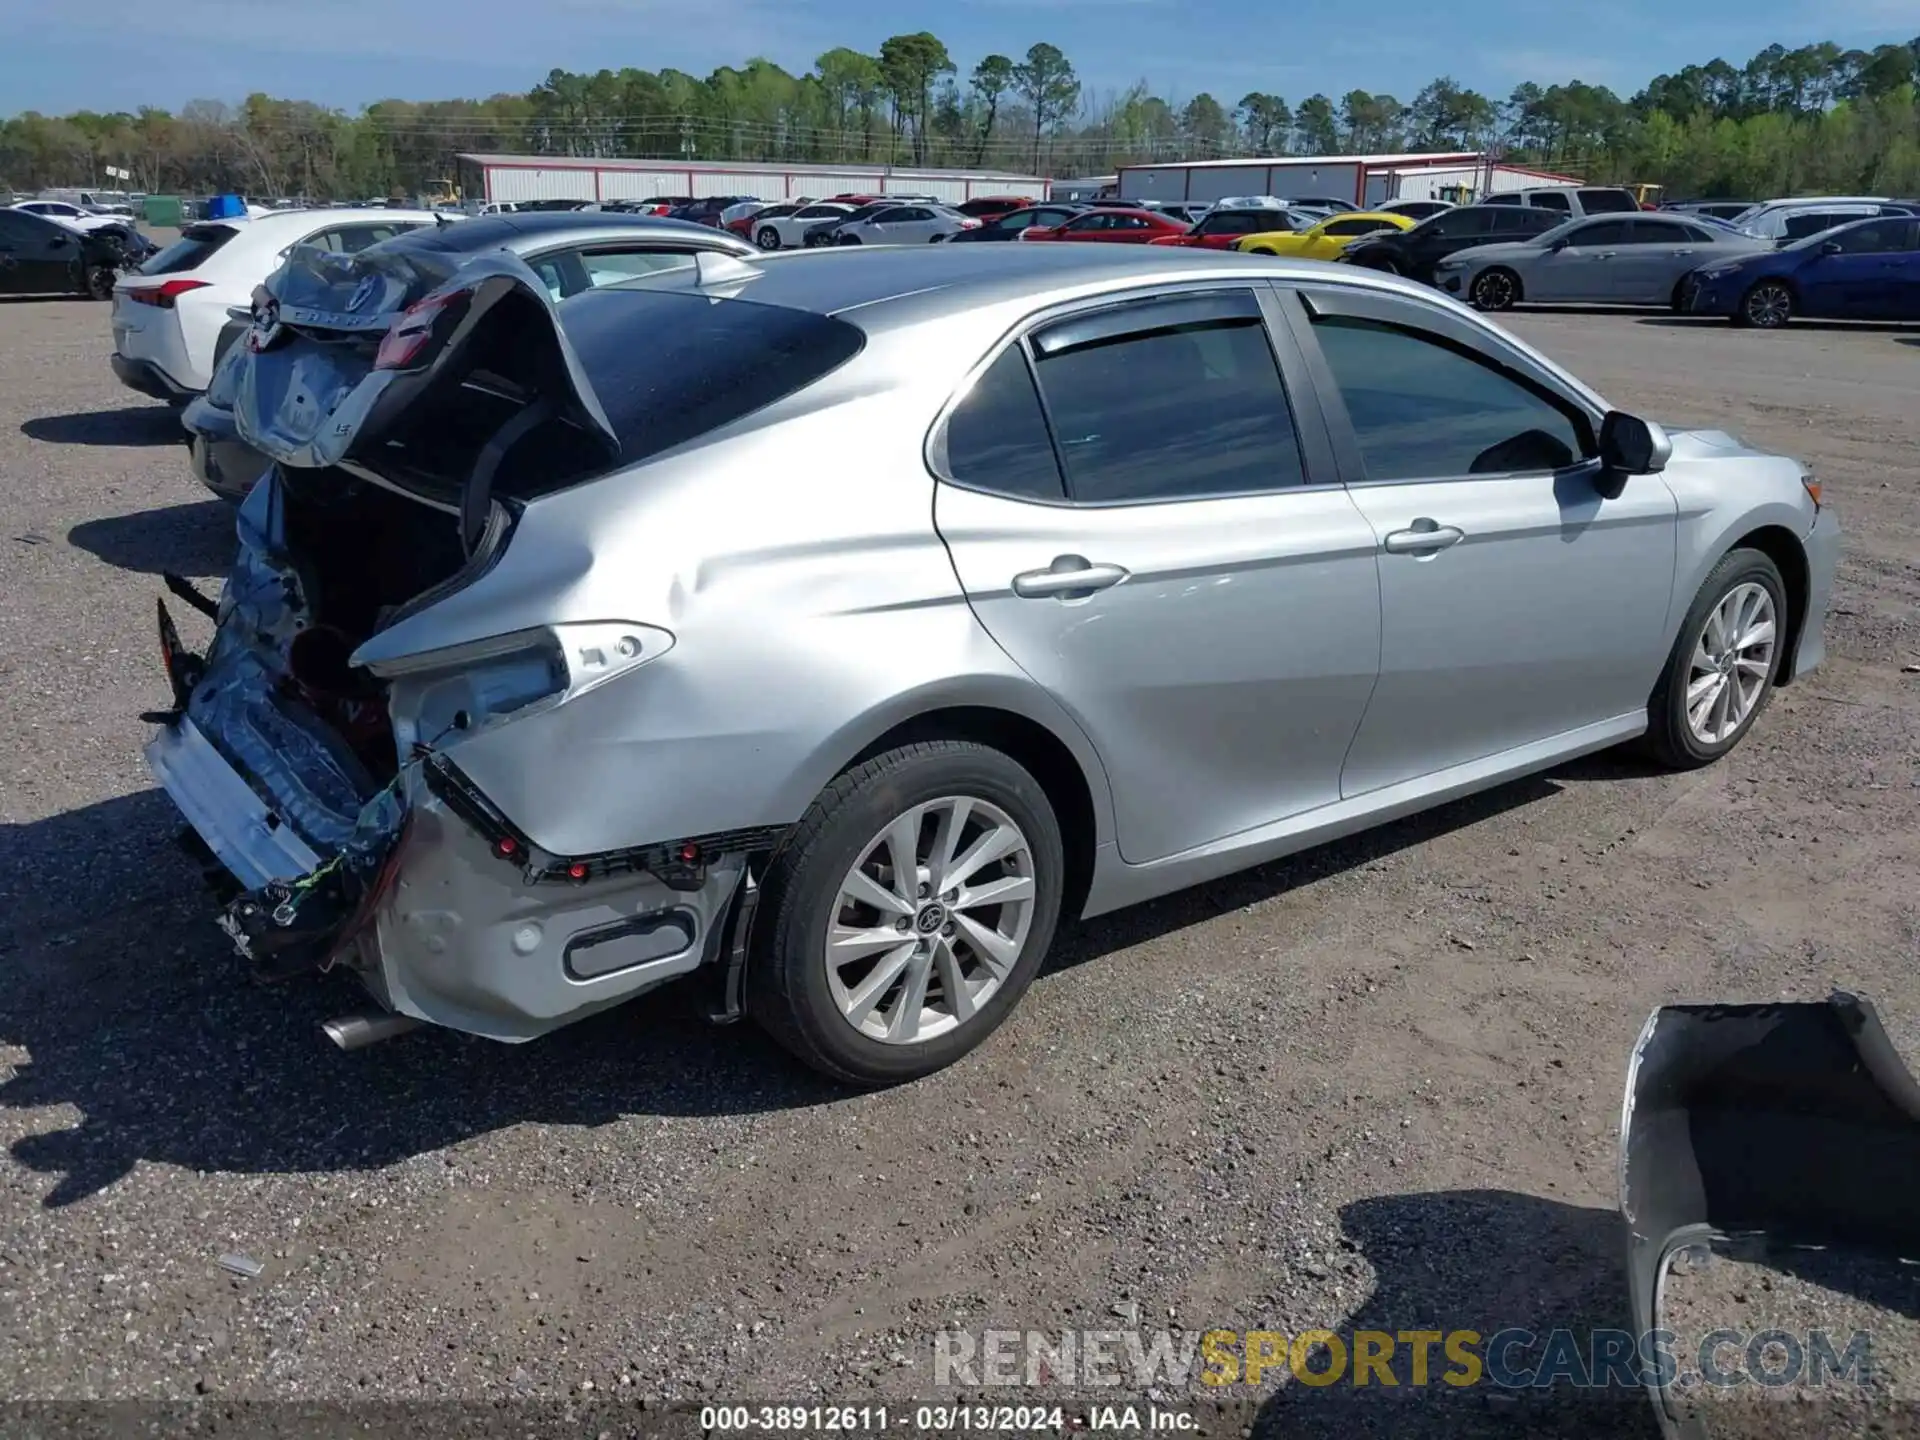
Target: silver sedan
[
  {"x": 905, "y": 225},
  {"x": 1601, "y": 260},
  {"x": 551, "y": 669}
]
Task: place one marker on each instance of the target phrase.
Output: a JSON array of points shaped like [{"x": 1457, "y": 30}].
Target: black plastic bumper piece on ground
[{"x": 1797, "y": 1122}]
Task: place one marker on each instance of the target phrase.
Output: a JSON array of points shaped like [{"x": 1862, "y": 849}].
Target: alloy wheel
[
  {"x": 1493, "y": 290},
  {"x": 1732, "y": 663},
  {"x": 1769, "y": 306},
  {"x": 931, "y": 920}
]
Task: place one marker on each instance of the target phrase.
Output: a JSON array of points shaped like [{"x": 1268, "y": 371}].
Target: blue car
[{"x": 1865, "y": 270}]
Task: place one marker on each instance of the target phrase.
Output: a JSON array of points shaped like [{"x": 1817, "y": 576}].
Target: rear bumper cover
[
  {"x": 149, "y": 379},
  {"x": 452, "y": 933}
]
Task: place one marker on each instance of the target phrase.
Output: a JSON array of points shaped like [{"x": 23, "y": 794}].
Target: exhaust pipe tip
[{"x": 369, "y": 1027}]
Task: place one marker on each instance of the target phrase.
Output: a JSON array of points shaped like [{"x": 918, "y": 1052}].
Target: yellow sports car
[{"x": 1326, "y": 240}]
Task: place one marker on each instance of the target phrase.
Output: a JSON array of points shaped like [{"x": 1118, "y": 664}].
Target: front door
[
  {"x": 1581, "y": 270},
  {"x": 1517, "y": 604},
  {"x": 1649, "y": 266},
  {"x": 1170, "y": 559}
]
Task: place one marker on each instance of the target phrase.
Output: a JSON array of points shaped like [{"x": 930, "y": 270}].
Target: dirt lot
[{"x": 1374, "y": 1087}]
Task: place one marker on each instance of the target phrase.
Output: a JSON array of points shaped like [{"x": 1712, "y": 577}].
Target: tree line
[{"x": 1818, "y": 117}]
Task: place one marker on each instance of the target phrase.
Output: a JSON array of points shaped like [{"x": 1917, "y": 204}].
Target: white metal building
[
  {"x": 553, "y": 177},
  {"x": 1363, "y": 179},
  {"x": 1087, "y": 187}
]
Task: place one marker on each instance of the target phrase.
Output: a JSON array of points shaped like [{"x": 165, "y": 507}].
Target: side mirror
[
  {"x": 1832, "y": 247},
  {"x": 1632, "y": 446},
  {"x": 1562, "y": 243}
]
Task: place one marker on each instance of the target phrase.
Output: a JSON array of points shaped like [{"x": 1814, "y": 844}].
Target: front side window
[
  {"x": 1354, "y": 227},
  {"x": 1503, "y": 200},
  {"x": 1604, "y": 232},
  {"x": 1879, "y": 238},
  {"x": 1552, "y": 200},
  {"x": 1185, "y": 412},
  {"x": 1813, "y": 222},
  {"x": 611, "y": 267},
  {"x": 1237, "y": 222},
  {"x": 1423, "y": 410},
  {"x": 1458, "y": 224}
]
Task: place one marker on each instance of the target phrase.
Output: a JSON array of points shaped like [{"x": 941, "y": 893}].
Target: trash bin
[
  {"x": 162, "y": 210},
  {"x": 226, "y": 207}
]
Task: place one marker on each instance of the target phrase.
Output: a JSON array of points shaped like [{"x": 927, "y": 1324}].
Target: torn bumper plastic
[
  {"x": 1796, "y": 1122},
  {"x": 439, "y": 925}
]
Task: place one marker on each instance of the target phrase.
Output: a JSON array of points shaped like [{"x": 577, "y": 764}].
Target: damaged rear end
[{"x": 408, "y": 414}]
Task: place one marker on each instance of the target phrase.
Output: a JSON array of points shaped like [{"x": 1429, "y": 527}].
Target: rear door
[
  {"x": 1169, "y": 556},
  {"x": 1517, "y": 603}
]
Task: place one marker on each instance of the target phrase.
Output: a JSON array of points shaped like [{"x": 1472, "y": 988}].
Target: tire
[
  {"x": 1497, "y": 288},
  {"x": 1678, "y": 301},
  {"x": 788, "y": 992},
  {"x": 1767, "y": 306},
  {"x": 1674, "y": 738},
  {"x": 99, "y": 282},
  {"x": 768, "y": 238},
  {"x": 848, "y": 240},
  {"x": 1385, "y": 267}
]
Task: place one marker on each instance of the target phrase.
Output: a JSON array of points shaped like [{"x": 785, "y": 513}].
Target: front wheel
[
  {"x": 1722, "y": 667},
  {"x": 100, "y": 282},
  {"x": 768, "y": 238},
  {"x": 1767, "y": 306},
  {"x": 1495, "y": 289},
  {"x": 907, "y": 913}
]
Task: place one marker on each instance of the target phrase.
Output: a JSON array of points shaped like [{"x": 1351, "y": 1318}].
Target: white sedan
[
  {"x": 790, "y": 230},
  {"x": 168, "y": 314},
  {"x": 72, "y": 216}
]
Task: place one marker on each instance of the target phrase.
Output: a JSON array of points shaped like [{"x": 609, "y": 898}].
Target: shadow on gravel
[
  {"x": 196, "y": 539},
  {"x": 134, "y": 1012},
  {"x": 129, "y": 425},
  {"x": 1487, "y": 1261}
]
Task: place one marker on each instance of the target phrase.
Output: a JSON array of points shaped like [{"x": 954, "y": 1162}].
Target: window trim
[
  {"x": 1428, "y": 322},
  {"x": 1318, "y": 455}
]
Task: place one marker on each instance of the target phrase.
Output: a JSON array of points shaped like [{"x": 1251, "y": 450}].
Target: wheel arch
[
  {"x": 1783, "y": 547},
  {"x": 1038, "y": 750}
]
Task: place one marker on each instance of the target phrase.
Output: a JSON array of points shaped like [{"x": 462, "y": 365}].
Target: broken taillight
[
  {"x": 410, "y": 332},
  {"x": 164, "y": 294}
]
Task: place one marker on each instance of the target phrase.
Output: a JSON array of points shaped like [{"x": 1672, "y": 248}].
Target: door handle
[
  {"x": 1604, "y": 255},
  {"x": 1423, "y": 536},
  {"x": 1683, "y": 252},
  {"x": 1070, "y": 577}
]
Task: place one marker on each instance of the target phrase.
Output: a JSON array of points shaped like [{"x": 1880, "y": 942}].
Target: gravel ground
[{"x": 1374, "y": 1087}]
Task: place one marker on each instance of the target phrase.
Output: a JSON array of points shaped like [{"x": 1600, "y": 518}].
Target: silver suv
[{"x": 552, "y": 667}]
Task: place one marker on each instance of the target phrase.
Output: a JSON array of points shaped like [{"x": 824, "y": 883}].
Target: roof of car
[
  {"x": 523, "y": 230},
  {"x": 921, "y": 282}
]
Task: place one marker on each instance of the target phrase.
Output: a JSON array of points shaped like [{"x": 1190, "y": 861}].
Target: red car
[
  {"x": 1112, "y": 227},
  {"x": 986, "y": 207},
  {"x": 1222, "y": 229}
]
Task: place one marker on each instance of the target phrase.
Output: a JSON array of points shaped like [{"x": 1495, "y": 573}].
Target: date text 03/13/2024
[{"x": 941, "y": 1419}]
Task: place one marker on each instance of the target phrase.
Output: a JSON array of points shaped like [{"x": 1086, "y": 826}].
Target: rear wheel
[
  {"x": 1495, "y": 289},
  {"x": 1721, "y": 671},
  {"x": 908, "y": 912},
  {"x": 1767, "y": 306}
]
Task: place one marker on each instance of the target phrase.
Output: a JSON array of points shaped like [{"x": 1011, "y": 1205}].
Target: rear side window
[
  {"x": 1424, "y": 410},
  {"x": 197, "y": 245},
  {"x": 1604, "y": 201},
  {"x": 997, "y": 436},
  {"x": 669, "y": 368},
  {"x": 1180, "y": 412},
  {"x": 1812, "y": 222}
]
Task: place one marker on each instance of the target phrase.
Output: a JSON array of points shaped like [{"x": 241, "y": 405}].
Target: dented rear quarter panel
[{"x": 794, "y": 649}]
